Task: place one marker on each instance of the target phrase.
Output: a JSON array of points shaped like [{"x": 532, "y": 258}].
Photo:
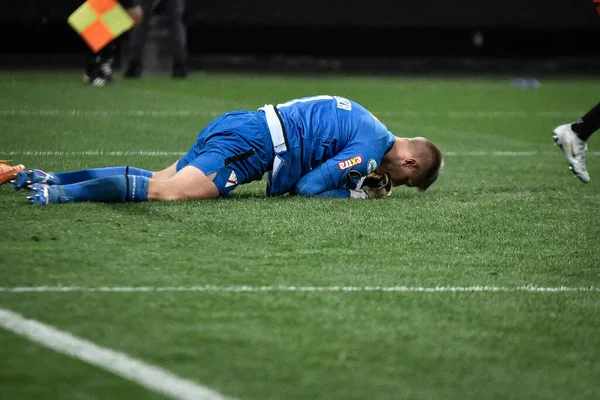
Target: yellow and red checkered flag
[{"x": 99, "y": 22}]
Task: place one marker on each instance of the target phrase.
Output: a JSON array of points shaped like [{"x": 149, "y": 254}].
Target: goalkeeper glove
[{"x": 377, "y": 186}]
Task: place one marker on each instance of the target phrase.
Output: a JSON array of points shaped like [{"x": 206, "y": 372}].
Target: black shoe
[
  {"x": 94, "y": 80},
  {"x": 179, "y": 71},
  {"x": 134, "y": 70},
  {"x": 94, "y": 77},
  {"x": 106, "y": 72}
]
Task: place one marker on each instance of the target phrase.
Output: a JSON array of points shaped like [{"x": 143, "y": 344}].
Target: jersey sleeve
[{"x": 332, "y": 175}]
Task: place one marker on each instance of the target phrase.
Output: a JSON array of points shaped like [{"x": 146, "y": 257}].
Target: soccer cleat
[
  {"x": 42, "y": 194},
  {"x": 8, "y": 172},
  {"x": 574, "y": 149},
  {"x": 27, "y": 178}
]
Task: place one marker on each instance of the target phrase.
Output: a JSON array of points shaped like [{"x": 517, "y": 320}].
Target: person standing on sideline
[
  {"x": 98, "y": 66},
  {"x": 572, "y": 139},
  {"x": 174, "y": 10}
]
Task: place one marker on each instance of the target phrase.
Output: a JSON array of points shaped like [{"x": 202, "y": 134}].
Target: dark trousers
[
  {"x": 174, "y": 10},
  {"x": 105, "y": 55}
]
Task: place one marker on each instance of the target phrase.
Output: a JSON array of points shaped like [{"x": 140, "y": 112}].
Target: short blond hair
[{"x": 430, "y": 160}]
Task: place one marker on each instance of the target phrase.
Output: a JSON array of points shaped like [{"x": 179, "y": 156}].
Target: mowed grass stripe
[
  {"x": 244, "y": 288},
  {"x": 146, "y": 375},
  {"x": 213, "y": 113}
]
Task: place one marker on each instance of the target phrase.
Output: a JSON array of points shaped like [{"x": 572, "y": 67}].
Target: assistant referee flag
[{"x": 99, "y": 22}]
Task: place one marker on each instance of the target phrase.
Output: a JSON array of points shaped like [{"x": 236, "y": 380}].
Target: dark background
[{"x": 402, "y": 35}]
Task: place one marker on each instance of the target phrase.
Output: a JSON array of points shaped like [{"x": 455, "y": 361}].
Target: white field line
[
  {"x": 153, "y": 153},
  {"x": 260, "y": 289},
  {"x": 108, "y": 113},
  {"x": 148, "y": 376},
  {"x": 93, "y": 153},
  {"x": 214, "y": 113}
]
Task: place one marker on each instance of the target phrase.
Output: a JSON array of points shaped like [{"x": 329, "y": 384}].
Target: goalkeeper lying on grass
[{"x": 320, "y": 146}]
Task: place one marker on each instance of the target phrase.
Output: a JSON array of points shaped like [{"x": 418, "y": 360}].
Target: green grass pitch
[{"x": 296, "y": 298}]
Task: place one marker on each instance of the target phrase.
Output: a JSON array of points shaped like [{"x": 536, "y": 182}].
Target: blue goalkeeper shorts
[{"x": 237, "y": 146}]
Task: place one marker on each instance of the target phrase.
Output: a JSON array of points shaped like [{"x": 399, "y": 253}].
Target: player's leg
[
  {"x": 572, "y": 139},
  {"x": 218, "y": 162},
  {"x": 66, "y": 178},
  {"x": 212, "y": 168},
  {"x": 110, "y": 184},
  {"x": 189, "y": 183},
  {"x": 585, "y": 126},
  {"x": 166, "y": 173},
  {"x": 119, "y": 188},
  {"x": 223, "y": 164},
  {"x": 32, "y": 176}
]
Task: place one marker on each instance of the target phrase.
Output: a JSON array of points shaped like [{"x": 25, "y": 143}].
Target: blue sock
[
  {"x": 66, "y": 178},
  {"x": 119, "y": 188}
]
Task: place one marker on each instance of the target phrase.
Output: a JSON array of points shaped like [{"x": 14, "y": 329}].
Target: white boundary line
[
  {"x": 148, "y": 376},
  {"x": 244, "y": 288},
  {"x": 152, "y": 153}
]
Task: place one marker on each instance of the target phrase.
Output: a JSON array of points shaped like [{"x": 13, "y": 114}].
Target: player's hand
[{"x": 377, "y": 186}]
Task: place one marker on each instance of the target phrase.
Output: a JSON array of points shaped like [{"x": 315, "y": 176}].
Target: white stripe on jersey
[{"x": 305, "y": 100}]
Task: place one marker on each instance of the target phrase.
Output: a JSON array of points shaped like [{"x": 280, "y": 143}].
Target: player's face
[{"x": 404, "y": 176}]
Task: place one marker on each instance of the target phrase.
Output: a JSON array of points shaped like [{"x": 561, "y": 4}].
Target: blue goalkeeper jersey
[{"x": 327, "y": 144}]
